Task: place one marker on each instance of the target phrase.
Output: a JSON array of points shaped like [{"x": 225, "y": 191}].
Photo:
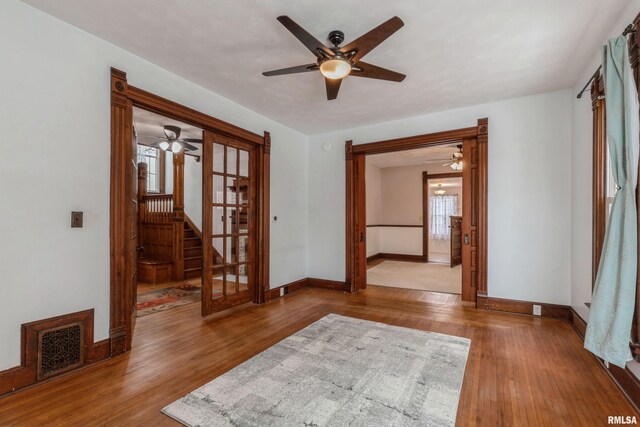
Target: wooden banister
[{"x": 157, "y": 208}]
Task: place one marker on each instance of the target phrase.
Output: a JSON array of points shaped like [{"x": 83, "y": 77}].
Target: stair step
[
  {"x": 189, "y": 233},
  {"x": 191, "y": 242},
  {"x": 192, "y": 252},
  {"x": 193, "y": 262},
  {"x": 190, "y": 273}
]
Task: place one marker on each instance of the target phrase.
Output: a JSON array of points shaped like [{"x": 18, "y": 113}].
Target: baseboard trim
[
  {"x": 25, "y": 375},
  {"x": 326, "y": 284},
  {"x": 624, "y": 378},
  {"x": 553, "y": 311},
  {"x": 283, "y": 290},
  {"x": 397, "y": 257}
]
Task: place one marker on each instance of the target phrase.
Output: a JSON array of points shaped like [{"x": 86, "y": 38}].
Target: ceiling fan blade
[
  {"x": 367, "y": 42},
  {"x": 333, "y": 86},
  {"x": 362, "y": 69},
  {"x": 292, "y": 70},
  {"x": 188, "y": 146},
  {"x": 313, "y": 44},
  {"x": 193, "y": 140},
  {"x": 449, "y": 163}
]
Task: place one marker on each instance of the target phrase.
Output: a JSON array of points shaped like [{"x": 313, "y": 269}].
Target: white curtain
[{"x": 440, "y": 209}]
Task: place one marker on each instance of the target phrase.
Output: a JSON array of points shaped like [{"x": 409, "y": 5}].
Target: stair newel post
[
  {"x": 142, "y": 191},
  {"x": 178, "y": 215}
]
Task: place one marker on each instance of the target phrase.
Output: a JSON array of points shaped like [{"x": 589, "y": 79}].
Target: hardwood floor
[{"x": 521, "y": 370}]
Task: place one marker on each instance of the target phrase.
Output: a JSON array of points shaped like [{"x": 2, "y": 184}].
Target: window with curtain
[{"x": 441, "y": 207}]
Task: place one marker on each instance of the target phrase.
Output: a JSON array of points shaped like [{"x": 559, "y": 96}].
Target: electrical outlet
[{"x": 537, "y": 310}]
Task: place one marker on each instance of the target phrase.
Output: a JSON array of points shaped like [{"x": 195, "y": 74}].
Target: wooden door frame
[
  {"x": 123, "y": 98},
  {"x": 425, "y": 206},
  {"x": 355, "y": 198}
]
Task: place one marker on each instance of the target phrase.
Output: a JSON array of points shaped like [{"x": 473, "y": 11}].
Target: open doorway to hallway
[
  {"x": 169, "y": 265},
  {"x": 414, "y": 215}
]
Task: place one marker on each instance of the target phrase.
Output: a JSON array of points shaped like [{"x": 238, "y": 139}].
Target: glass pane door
[{"x": 229, "y": 193}]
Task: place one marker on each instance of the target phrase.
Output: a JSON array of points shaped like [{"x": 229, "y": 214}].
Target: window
[
  {"x": 152, "y": 157},
  {"x": 612, "y": 187},
  {"x": 441, "y": 207}
]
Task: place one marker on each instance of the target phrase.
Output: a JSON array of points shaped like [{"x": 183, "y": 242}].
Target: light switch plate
[{"x": 76, "y": 219}]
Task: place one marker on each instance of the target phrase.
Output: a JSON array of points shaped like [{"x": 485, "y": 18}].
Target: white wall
[
  {"x": 529, "y": 192},
  {"x": 402, "y": 195},
  {"x": 193, "y": 190},
  {"x": 373, "y": 187},
  {"x": 55, "y": 106},
  {"x": 581, "y": 174},
  {"x": 168, "y": 172}
]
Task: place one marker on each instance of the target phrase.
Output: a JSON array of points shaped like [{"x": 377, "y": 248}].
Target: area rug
[
  {"x": 416, "y": 275},
  {"x": 339, "y": 371},
  {"x": 164, "y": 299}
]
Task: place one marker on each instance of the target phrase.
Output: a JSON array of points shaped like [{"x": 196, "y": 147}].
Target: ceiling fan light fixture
[
  {"x": 335, "y": 68},
  {"x": 164, "y": 145},
  {"x": 456, "y": 166},
  {"x": 176, "y": 147}
]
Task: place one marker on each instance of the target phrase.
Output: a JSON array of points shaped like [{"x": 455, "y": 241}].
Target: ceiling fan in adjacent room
[
  {"x": 335, "y": 63},
  {"x": 172, "y": 140},
  {"x": 456, "y": 159}
]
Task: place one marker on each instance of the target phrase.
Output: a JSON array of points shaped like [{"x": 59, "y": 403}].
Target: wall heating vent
[{"x": 60, "y": 349}]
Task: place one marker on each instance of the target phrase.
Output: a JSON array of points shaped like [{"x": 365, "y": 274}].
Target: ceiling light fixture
[
  {"x": 336, "y": 68},
  {"x": 164, "y": 145},
  {"x": 456, "y": 166},
  {"x": 176, "y": 147},
  {"x": 440, "y": 191}
]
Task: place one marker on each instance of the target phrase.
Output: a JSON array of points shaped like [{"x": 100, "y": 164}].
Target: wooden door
[
  {"x": 456, "y": 240},
  {"x": 229, "y": 226},
  {"x": 133, "y": 245},
  {"x": 360, "y": 268},
  {"x": 470, "y": 192}
]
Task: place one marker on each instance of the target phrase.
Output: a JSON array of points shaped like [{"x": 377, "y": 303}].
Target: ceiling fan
[
  {"x": 456, "y": 159},
  {"x": 172, "y": 140},
  {"x": 335, "y": 63}
]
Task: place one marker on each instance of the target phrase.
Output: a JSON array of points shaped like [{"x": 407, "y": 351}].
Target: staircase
[{"x": 192, "y": 252}]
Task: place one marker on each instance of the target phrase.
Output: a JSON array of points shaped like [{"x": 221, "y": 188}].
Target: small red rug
[{"x": 164, "y": 299}]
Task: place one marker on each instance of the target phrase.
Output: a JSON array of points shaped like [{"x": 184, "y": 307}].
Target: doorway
[
  {"x": 169, "y": 264},
  {"x": 472, "y": 224},
  {"x": 413, "y": 202},
  {"x": 124, "y": 209}
]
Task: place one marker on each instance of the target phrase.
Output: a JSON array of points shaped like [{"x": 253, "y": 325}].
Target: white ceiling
[
  {"x": 434, "y": 156},
  {"x": 455, "y": 53},
  {"x": 149, "y": 128}
]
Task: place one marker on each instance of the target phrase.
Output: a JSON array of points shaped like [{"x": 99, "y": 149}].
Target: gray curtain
[{"x": 613, "y": 302}]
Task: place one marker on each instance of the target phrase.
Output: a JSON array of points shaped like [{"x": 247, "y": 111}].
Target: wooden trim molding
[
  {"x": 396, "y": 225},
  {"x": 326, "y": 284},
  {"x": 417, "y": 141},
  {"x": 397, "y": 257},
  {"x": 355, "y": 271},
  {"x": 123, "y": 98},
  {"x": 445, "y": 175},
  {"x": 283, "y": 290},
  {"x": 624, "y": 378},
  {"x": 163, "y": 106},
  {"x": 27, "y": 373},
  {"x": 599, "y": 191},
  {"x": 554, "y": 311}
]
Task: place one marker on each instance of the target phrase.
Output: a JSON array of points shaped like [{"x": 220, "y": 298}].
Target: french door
[{"x": 229, "y": 226}]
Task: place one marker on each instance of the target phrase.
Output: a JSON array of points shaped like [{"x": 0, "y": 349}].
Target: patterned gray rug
[{"x": 338, "y": 371}]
